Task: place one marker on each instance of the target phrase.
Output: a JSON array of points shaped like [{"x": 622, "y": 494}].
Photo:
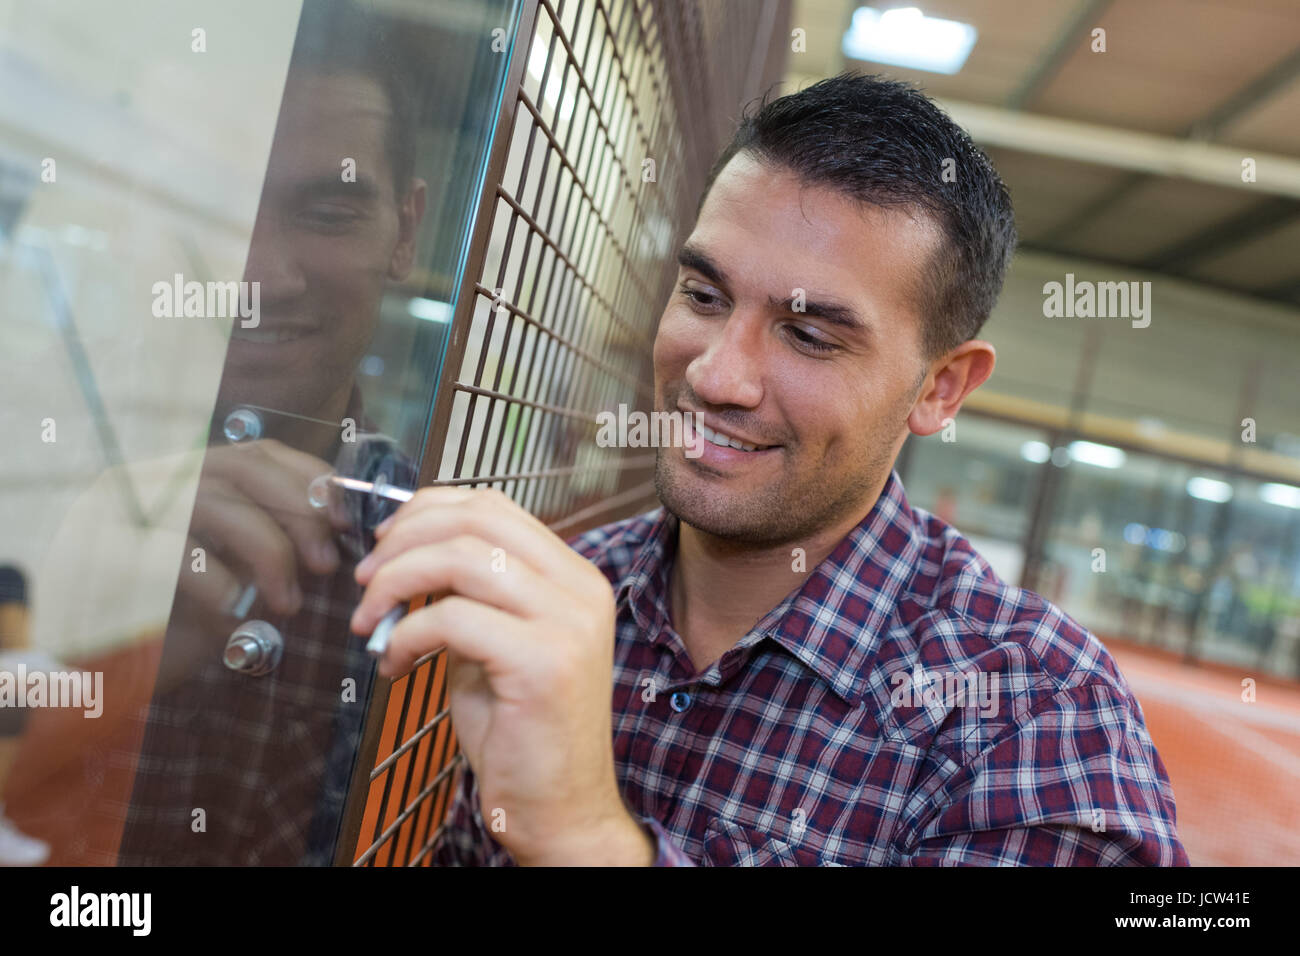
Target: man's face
[
  {"x": 829, "y": 388},
  {"x": 322, "y": 248}
]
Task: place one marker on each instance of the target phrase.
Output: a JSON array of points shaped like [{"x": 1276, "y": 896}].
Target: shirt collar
[
  {"x": 833, "y": 622},
  {"x": 645, "y": 586}
]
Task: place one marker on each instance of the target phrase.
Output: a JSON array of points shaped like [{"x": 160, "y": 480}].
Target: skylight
[{"x": 907, "y": 37}]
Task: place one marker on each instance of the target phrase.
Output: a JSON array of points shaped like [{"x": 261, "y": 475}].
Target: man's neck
[{"x": 720, "y": 589}]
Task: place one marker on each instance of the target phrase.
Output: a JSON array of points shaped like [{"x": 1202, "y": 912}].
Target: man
[{"x": 805, "y": 669}]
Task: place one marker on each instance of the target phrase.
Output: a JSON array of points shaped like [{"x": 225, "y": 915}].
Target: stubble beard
[{"x": 789, "y": 511}]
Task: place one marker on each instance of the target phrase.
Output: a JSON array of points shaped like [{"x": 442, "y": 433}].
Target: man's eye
[
  {"x": 810, "y": 342},
  {"x": 702, "y": 300},
  {"x": 328, "y": 215}
]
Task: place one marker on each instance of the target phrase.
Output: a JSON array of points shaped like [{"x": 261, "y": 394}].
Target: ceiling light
[
  {"x": 1036, "y": 451},
  {"x": 907, "y": 37},
  {"x": 1284, "y": 496},
  {"x": 1209, "y": 489},
  {"x": 1103, "y": 456},
  {"x": 429, "y": 309}
]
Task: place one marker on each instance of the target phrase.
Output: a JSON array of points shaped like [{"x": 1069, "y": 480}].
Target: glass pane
[
  {"x": 1251, "y": 612},
  {"x": 1180, "y": 556},
  {"x": 1114, "y": 536},
  {"x": 982, "y": 482},
  {"x": 230, "y": 239}
]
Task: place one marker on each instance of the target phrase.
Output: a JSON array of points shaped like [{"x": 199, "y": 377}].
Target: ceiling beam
[
  {"x": 1205, "y": 129},
  {"x": 1125, "y": 149},
  {"x": 1080, "y": 25},
  {"x": 1286, "y": 293},
  {"x": 1238, "y": 105},
  {"x": 1260, "y": 218},
  {"x": 1063, "y": 231}
]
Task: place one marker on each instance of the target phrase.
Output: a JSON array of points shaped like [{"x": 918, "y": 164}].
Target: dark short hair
[
  {"x": 337, "y": 36},
  {"x": 885, "y": 142}
]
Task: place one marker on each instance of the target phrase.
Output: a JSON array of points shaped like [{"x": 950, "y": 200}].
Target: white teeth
[{"x": 722, "y": 440}]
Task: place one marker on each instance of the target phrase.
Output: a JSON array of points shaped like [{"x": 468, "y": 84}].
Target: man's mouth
[
  {"x": 723, "y": 441},
  {"x": 719, "y": 438},
  {"x": 272, "y": 336}
]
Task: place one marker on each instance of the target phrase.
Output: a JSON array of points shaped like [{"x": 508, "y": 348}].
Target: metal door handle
[{"x": 254, "y": 649}]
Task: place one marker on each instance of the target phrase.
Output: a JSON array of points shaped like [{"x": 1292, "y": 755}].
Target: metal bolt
[
  {"x": 243, "y": 424},
  {"x": 254, "y": 649}
]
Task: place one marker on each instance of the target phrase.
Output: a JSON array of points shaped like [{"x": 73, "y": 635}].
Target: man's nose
[
  {"x": 272, "y": 262},
  {"x": 729, "y": 370}
]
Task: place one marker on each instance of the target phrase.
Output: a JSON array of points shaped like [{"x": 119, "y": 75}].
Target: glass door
[
  {"x": 230, "y": 239},
  {"x": 982, "y": 480}
]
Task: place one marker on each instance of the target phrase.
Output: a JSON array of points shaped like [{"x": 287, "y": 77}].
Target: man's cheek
[
  {"x": 677, "y": 343},
  {"x": 667, "y": 352},
  {"x": 342, "y": 283},
  {"x": 350, "y": 264}
]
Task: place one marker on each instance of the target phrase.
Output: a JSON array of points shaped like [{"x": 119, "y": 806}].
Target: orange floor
[{"x": 1235, "y": 766}]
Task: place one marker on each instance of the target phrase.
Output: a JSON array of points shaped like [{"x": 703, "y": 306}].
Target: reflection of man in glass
[
  {"x": 266, "y": 757},
  {"x": 337, "y": 220}
]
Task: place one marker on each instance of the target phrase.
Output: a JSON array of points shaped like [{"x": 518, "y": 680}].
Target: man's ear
[
  {"x": 950, "y": 380},
  {"x": 409, "y": 215}
]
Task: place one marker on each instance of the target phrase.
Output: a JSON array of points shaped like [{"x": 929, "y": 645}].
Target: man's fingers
[
  {"x": 484, "y": 635},
  {"x": 500, "y": 529},
  {"x": 437, "y": 513},
  {"x": 278, "y": 479},
  {"x": 210, "y": 584},
  {"x": 462, "y": 565},
  {"x": 237, "y": 527},
  {"x": 422, "y": 499},
  {"x": 302, "y": 465}
]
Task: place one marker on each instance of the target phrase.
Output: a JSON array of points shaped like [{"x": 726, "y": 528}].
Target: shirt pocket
[{"x": 730, "y": 844}]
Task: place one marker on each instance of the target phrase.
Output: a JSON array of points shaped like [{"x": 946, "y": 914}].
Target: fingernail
[{"x": 383, "y": 526}]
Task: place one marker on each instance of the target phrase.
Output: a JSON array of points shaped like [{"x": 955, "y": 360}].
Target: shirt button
[{"x": 680, "y": 701}]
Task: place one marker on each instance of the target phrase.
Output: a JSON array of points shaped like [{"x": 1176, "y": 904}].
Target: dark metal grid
[{"x": 570, "y": 265}]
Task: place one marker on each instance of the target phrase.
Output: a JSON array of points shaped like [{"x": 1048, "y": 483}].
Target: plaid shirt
[{"x": 902, "y": 707}]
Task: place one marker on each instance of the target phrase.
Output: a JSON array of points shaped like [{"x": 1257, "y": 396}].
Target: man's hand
[
  {"x": 253, "y": 516},
  {"x": 529, "y": 629}
]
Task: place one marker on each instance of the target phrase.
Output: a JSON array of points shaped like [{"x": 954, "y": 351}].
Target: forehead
[
  {"x": 773, "y": 232},
  {"x": 325, "y": 118}
]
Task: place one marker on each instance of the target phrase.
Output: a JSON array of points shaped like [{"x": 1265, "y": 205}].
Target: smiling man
[{"x": 760, "y": 625}]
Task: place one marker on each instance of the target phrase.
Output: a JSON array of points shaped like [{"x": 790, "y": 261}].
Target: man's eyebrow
[
  {"x": 692, "y": 258},
  {"x": 841, "y": 315},
  {"x": 333, "y": 186}
]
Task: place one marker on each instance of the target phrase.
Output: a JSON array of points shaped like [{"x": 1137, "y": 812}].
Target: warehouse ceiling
[{"x": 1132, "y": 155}]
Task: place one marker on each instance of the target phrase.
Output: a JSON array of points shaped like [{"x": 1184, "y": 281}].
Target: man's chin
[
  {"x": 734, "y": 514},
  {"x": 763, "y": 515}
]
